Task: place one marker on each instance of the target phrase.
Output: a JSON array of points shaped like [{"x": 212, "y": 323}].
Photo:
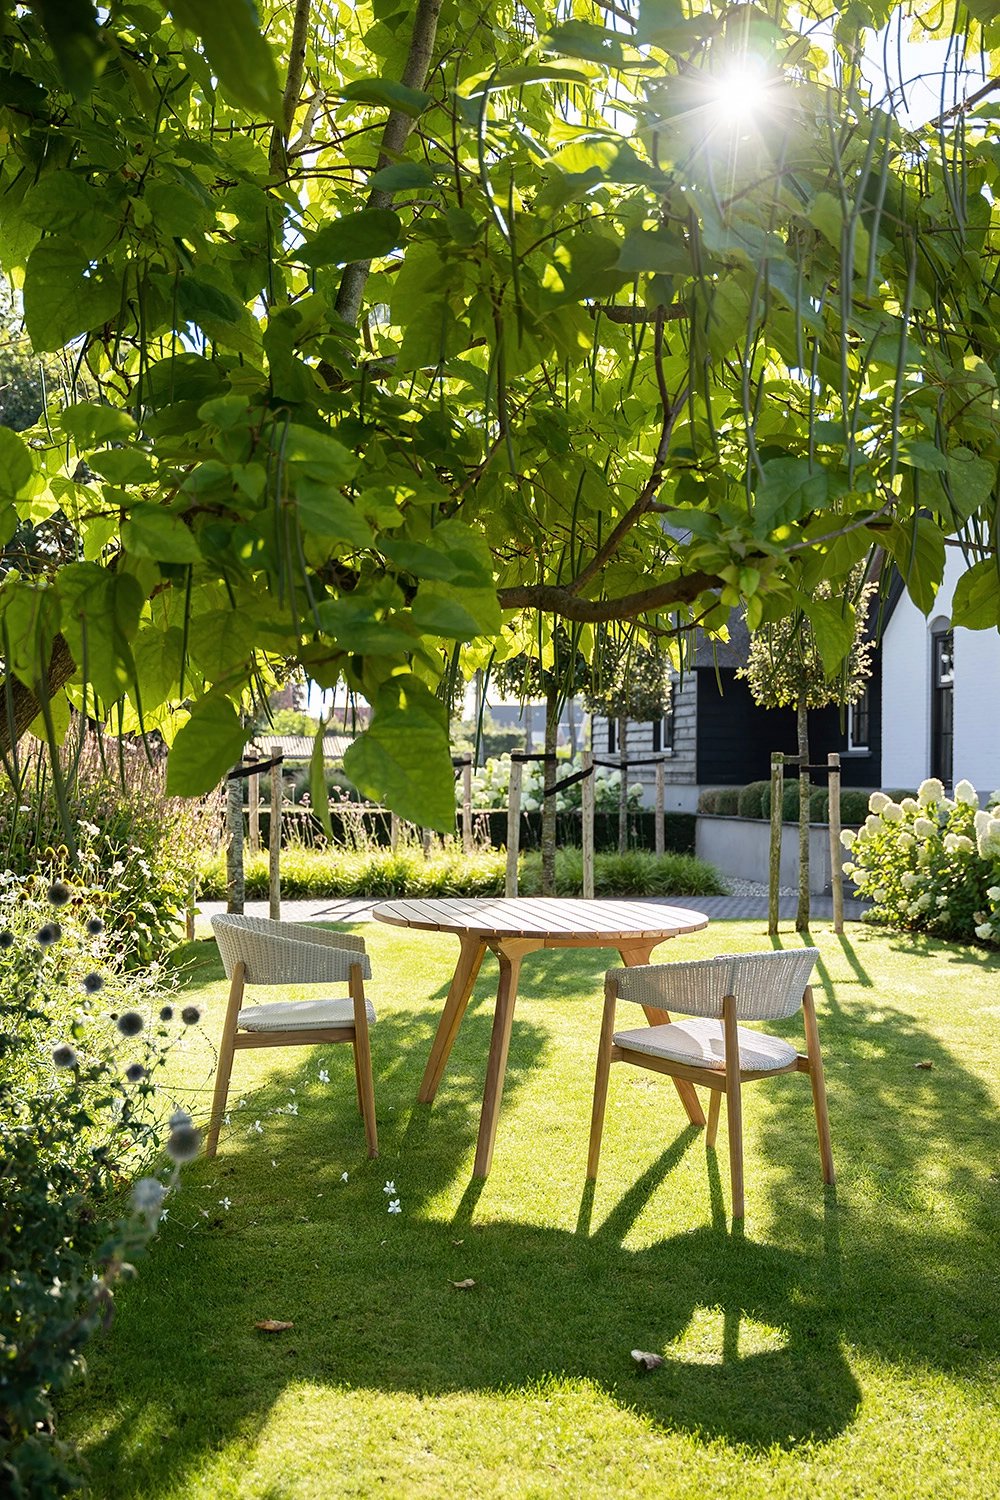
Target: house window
[
  {"x": 859, "y": 722},
  {"x": 663, "y": 733},
  {"x": 611, "y": 736},
  {"x": 942, "y": 704}
]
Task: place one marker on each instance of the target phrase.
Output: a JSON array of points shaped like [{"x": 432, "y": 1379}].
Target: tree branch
[
  {"x": 19, "y": 706},
  {"x": 293, "y": 85},
  {"x": 397, "y": 128},
  {"x": 966, "y": 104},
  {"x": 557, "y": 600}
]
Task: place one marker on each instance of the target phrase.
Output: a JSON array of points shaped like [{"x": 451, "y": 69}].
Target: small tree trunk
[
  {"x": 623, "y": 788},
  {"x": 802, "y": 915},
  {"x": 549, "y": 803}
]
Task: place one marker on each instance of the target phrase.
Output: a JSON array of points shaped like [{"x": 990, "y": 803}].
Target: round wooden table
[{"x": 512, "y": 927}]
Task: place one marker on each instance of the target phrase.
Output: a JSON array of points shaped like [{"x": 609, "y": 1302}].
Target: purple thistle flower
[
  {"x": 6, "y": 938},
  {"x": 47, "y": 935},
  {"x": 130, "y": 1023},
  {"x": 166, "y": 1013},
  {"x": 65, "y": 1056},
  {"x": 59, "y": 893},
  {"x": 183, "y": 1143},
  {"x": 191, "y": 1015},
  {"x": 92, "y": 983},
  {"x": 95, "y": 926},
  {"x": 135, "y": 1072}
]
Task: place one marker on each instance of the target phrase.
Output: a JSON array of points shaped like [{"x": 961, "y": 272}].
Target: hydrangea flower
[
  {"x": 877, "y": 801},
  {"x": 924, "y": 828},
  {"x": 906, "y": 840},
  {"x": 966, "y": 792},
  {"x": 847, "y": 838},
  {"x": 930, "y": 791},
  {"x": 994, "y": 892},
  {"x": 984, "y": 930},
  {"x": 892, "y": 813},
  {"x": 909, "y": 804}
]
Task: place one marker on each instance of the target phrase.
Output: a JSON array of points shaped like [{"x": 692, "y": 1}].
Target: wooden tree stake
[
  {"x": 836, "y": 852},
  {"x": 774, "y": 868},
  {"x": 467, "y": 805},
  {"x": 274, "y": 844},
  {"x": 254, "y": 801},
  {"x": 513, "y": 828},
  {"x": 235, "y": 880},
  {"x": 661, "y": 832},
  {"x": 587, "y": 825}
]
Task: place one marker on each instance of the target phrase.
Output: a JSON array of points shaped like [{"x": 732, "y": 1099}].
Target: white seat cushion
[
  {"x": 699, "y": 1043},
  {"x": 301, "y": 1015}
]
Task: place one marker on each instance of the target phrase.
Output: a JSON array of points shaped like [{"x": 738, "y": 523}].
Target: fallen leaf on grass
[
  {"x": 923, "y": 1065},
  {"x": 273, "y": 1325},
  {"x": 458, "y": 1242},
  {"x": 464, "y": 1286},
  {"x": 647, "y": 1361}
]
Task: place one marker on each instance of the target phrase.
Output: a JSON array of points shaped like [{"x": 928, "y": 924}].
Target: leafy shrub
[
  {"x": 314, "y": 873},
  {"x": 79, "y": 1106},
  {"x": 819, "y": 804},
  {"x": 708, "y": 800},
  {"x": 853, "y": 806},
  {"x": 931, "y": 863},
  {"x": 750, "y": 799},
  {"x": 728, "y": 801},
  {"x": 135, "y": 844}
]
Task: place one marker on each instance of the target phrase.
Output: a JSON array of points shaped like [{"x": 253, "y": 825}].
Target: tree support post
[
  {"x": 836, "y": 852},
  {"x": 467, "y": 805},
  {"x": 774, "y": 865},
  {"x": 254, "y": 803},
  {"x": 513, "y": 827},
  {"x": 587, "y": 800},
  {"x": 660, "y": 829},
  {"x": 274, "y": 844}
]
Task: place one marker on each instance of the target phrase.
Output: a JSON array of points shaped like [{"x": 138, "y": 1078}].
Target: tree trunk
[
  {"x": 802, "y": 915},
  {"x": 623, "y": 788},
  {"x": 549, "y": 803}
]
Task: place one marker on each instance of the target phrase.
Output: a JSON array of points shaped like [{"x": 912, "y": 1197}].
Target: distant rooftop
[{"x": 300, "y": 746}]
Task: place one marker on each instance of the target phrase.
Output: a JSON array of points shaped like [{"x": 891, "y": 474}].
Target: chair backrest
[
  {"x": 287, "y": 952},
  {"x": 766, "y": 986}
]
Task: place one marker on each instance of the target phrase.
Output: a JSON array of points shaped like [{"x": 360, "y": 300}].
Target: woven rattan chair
[
  {"x": 713, "y": 1049},
  {"x": 258, "y": 951}
]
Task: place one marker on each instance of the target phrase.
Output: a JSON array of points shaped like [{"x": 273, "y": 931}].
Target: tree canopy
[{"x": 402, "y": 325}]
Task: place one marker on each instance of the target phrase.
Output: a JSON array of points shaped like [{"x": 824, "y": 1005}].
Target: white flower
[
  {"x": 982, "y": 821},
  {"x": 966, "y": 792},
  {"x": 390, "y": 1189},
  {"x": 226, "y": 1203},
  {"x": 951, "y": 842},
  {"x": 880, "y": 893},
  {"x": 909, "y": 880},
  {"x": 924, "y": 828},
  {"x": 906, "y": 840},
  {"x": 963, "y": 844},
  {"x": 877, "y": 801},
  {"x": 909, "y": 804},
  {"x": 994, "y": 893},
  {"x": 324, "y": 1076},
  {"x": 256, "y": 1128},
  {"x": 862, "y": 836},
  {"x": 394, "y": 1207},
  {"x": 849, "y": 870},
  {"x": 873, "y": 823},
  {"x": 930, "y": 791},
  {"x": 942, "y": 902},
  {"x": 892, "y": 813},
  {"x": 343, "y": 1176},
  {"x": 923, "y": 901},
  {"x": 847, "y": 838},
  {"x": 984, "y": 930}
]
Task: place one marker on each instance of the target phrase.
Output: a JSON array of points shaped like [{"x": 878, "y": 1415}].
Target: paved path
[{"x": 721, "y": 908}]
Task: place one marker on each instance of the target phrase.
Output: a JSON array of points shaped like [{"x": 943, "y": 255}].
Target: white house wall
[
  {"x": 680, "y": 792},
  {"x": 906, "y": 693}
]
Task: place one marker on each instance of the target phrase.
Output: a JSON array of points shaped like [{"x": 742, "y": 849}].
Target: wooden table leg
[
  {"x": 510, "y": 953},
  {"x": 686, "y": 1092},
  {"x": 469, "y": 959}
]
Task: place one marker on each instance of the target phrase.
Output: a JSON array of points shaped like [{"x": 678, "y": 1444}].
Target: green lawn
[{"x": 839, "y": 1345}]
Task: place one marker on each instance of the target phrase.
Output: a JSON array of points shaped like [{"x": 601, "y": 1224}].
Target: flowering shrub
[
  {"x": 136, "y": 844},
  {"x": 931, "y": 862},
  {"x": 491, "y": 786},
  {"x": 81, "y": 1044}
]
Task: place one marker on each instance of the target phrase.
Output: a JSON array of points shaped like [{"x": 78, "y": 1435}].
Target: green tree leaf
[
  {"x": 404, "y": 757},
  {"x": 16, "y": 467},
  {"x": 151, "y": 531},
  {"x": 62, "y": 297},
  {"x": 976, "y": 601},
  {"x": 236, "y": 48},
  {"x": 205, "y": 748},
  {"x": 359, "y": 236}
]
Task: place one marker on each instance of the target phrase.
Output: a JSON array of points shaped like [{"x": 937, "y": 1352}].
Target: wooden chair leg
[
  {"x": 734, "y": 1105},
  {"x": 818, "y": 1081},
  {"x": 714, "y": 1107},
  {"x": 363, "y": 1059},
  {"x": 357, "y": 1083},
  {"x": 601, "y": 1078},
  {"x": 224, "y": 1067}
]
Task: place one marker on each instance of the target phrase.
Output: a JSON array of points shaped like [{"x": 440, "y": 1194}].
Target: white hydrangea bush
[{"x": 931, "y": 863}]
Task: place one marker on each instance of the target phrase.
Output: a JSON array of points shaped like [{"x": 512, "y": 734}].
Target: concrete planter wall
[{"x": 741, "y": 847}]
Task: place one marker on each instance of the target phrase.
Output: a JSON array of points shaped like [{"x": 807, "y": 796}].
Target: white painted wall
[{"x": 906, "y": 693}]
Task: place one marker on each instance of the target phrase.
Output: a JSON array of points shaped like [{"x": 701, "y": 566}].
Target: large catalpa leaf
[
  {"x": 210, "y": 742},
  {"x": 404, "y": 758}
]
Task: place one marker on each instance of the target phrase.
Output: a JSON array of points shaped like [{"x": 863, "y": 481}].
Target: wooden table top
[{"x": 553, "y": 920}]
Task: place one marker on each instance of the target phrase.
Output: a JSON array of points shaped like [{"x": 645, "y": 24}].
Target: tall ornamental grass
[{"x": 931, "y": 863}]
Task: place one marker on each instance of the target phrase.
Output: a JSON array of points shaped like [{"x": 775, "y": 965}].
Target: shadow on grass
[{"x": 892, "y": 1264}]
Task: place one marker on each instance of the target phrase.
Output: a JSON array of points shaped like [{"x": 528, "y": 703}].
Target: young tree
[
  {"x": 806, "y": 662},
  {"x": 555, "y": 671},
  {"x": 635, "y": 684},
  {"x": 397, "y": 330}
]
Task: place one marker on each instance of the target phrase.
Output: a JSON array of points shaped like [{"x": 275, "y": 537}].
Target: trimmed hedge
[{"x": 754, "y": 801}]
